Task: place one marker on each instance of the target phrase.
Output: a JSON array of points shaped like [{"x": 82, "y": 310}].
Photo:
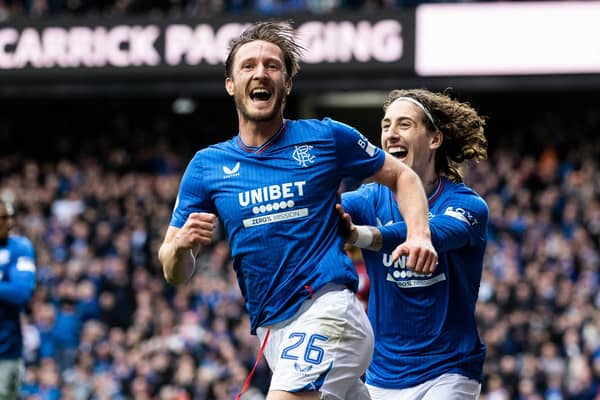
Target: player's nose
[{"x": 260, "y": 72}]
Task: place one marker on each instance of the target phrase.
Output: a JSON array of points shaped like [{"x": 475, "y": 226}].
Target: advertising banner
[
  {"x": 171, "y": 49},
  {"x": 529, "y": 38}
]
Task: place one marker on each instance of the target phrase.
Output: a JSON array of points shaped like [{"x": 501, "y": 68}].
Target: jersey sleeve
[
  {"x": 354, "y": 204},
  {"x": 462, "y": 222},
  {"x": 19, "y": 286},
  {"x": 356, "y": 156},
  {"x": 192, "y": 195}
]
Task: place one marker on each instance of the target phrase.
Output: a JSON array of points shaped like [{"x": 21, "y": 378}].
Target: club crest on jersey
[
  {"x": 302, "y": 155},
  {"x": 231, "y": 172}
]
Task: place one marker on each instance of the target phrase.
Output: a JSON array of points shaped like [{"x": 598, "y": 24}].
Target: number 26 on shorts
[{"x": 313, "y": 354}]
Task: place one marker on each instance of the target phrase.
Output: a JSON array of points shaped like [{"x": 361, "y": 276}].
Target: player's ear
[
  {"x": 288, "y": 87},
  {"x": 229, "y": 86},
  {"x": 436, "y": 140}
]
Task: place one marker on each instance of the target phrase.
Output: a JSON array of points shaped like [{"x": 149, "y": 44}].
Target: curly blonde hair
[{"x": 461, "y": 125}]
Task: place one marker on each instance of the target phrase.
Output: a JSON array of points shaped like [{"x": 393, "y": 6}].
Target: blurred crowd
[
  {"x": 103, "y": 324},
  {"x": 10, "y": 9},
  {"x": 538, "y": 308}
]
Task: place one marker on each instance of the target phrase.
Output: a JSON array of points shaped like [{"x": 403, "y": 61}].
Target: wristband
[{"x": 364, "y": 237}]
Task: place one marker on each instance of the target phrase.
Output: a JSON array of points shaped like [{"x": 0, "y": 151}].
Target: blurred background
[{"x": 103, "y": 102}]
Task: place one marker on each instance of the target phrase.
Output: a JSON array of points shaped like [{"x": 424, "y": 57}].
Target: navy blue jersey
[
  {"x": 277, "y": 204},
  {"x": 424, "y": 325},
  {"x": 17, "y": 282}
]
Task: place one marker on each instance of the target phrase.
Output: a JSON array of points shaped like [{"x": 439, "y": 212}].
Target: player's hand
[
  {"x": 347, "y": 228},
  {"x": 198, "y": 229},
  {"x": 421, "y": 256}
]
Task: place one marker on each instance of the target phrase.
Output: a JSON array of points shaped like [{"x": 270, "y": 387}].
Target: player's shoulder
[
  {"x": 337, "y": 125},
  {"x": 459, "y": 188},
  {"x": 363, "y": 190},
  {"x": 371, "y": 192},
  {"x": 226, "y": 145},
  {"x": 464, "y": 193},
  {"x": 323, "y": 126},
  {"x": 373, "y": 188},
  {"x": 217, "y": 150},
  {"x": 20, "y": 243}
]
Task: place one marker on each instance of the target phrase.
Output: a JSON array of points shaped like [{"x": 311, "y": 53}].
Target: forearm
[
  {"x": 178, "y": 264},
  {"x": 447, "y": 234},
  {"x": 367, "y": 237},
  {"x": 410, "y": 195},
  {"x": 412, "y": 203}
]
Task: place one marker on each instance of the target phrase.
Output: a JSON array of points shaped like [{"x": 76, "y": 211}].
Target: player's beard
[{"x": 262, "y": 115}]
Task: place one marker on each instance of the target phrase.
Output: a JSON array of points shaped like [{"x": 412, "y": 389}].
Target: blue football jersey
[
  {"x": 424, "y": 325},
  {"x": 17, "y": 282},
  {"x": 277, "y": 204}
]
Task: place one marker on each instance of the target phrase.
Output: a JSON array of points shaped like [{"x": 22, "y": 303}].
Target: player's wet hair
[
  {"x": 460, "y": 124},
  {"x": 280, "y": 33}
]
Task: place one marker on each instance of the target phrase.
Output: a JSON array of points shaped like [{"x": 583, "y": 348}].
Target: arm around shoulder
[
  {"x": 412, "y": 203},
  {"x": 410, "y": 195}
]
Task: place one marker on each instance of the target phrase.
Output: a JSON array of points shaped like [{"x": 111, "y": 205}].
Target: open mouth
[
  {"x": 260, "y": 94},
  {"x": 399, "y": 152}
]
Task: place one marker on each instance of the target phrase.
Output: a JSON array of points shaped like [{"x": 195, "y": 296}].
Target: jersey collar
[
  {"x": 438, "y": 190},
  {"x": 261, "y": 149}
]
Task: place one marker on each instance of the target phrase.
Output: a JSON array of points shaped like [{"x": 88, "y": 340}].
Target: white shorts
[
  {"x": 326, "y": 346},
  {"x": 11, "y": 372},
  {"x": 446, "y": 386}
]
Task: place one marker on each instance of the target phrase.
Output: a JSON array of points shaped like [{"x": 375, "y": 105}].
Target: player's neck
[
  {"x": 255, "y": 134},
  {"x": 430, "y": 182}
]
